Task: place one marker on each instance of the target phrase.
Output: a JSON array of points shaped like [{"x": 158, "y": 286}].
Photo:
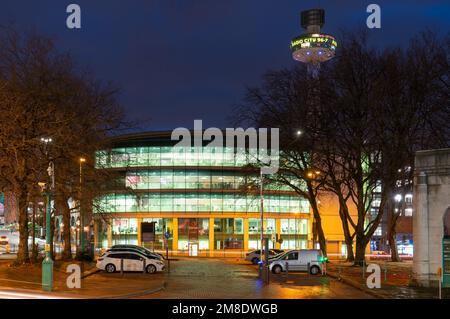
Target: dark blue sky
[{"x": 180, "y": 60}]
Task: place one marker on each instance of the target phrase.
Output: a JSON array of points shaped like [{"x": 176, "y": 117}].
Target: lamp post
[
  {"x": 82, "y": 160},
  {"x": 47, "y": 263},
  {"x": 261, "y": 188}
]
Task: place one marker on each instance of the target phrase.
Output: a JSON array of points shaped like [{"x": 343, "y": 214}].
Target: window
[
  {"x": 408, "y": 198},
  {"x": 118, "y": 256},
  {"x": 133, "y": 257},
  {"x": 292, "y": 256}
]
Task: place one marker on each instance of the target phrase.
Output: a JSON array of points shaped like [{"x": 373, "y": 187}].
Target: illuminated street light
[
  {"x": 46, "y": 140},
  {"x": 47, "y": 263},
  {"x": 82, "y": 244}
]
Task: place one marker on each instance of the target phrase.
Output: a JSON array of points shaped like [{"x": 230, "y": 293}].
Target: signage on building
[
  {"x": 193, "y": 230},
  {"x": 446, "y": 262},
  {"x": 148, "y": 232}
]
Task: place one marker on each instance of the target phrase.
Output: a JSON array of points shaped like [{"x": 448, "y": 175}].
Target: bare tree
[
  {"x": 283, "y": 102},
  {"x": 42, "y": 94}
]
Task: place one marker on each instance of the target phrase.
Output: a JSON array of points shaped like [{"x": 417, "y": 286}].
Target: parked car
[
  {"x": 299, "y": 260},
  {"x": 132, "y": 261},
  {"x": 4, "y": 240},
  {"x": 254, "y": 256},
  {"x": 140, "y": 249},
  {"x": 145, "y": 253}
]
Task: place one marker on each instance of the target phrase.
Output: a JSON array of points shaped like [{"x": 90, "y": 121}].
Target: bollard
[
  {"x": 364, "y": 269},
  {"x": 121, "y": 266},
  {"x": 439, "y": 273},
  {"x": 287, "y": 270},
  {"x": 143, "y": 266},
  {"x": 309, "y": 268}
]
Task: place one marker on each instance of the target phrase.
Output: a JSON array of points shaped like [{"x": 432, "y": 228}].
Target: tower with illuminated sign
[{"x": 313, "y": 47}]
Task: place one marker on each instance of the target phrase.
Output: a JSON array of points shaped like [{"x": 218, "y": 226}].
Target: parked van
[{"x": 299, "y": 260}]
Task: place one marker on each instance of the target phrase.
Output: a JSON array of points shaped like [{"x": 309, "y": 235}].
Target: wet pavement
[
  {"x": 396, "y": 279},
  {"x": 225, "y": 278}
]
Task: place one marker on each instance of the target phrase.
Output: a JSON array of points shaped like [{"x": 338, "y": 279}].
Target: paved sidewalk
[
  {"x": 396, "y": 280},
  {"x": 94, "y": 284}
]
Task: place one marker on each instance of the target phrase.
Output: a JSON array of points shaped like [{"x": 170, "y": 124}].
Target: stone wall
[{"x": 431, "y": 199}]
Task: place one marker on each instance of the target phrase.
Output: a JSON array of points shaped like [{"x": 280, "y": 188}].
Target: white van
[{"x": 299, "y": 260}]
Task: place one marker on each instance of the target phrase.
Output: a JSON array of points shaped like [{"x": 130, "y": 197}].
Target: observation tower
[{"x": 313, "y": 47}]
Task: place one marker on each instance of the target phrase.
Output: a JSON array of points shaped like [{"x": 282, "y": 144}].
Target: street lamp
[
  {"x": 47, "y": 263},
  {"x": 261, "y": 187},
  {"x": 81, "y": 160}
]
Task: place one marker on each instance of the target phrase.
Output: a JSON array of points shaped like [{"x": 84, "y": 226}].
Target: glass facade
[
  {"x": 228, "y": 233},
  {"x": 198, "y": 202},
  {"x": 125, "y": 231},
  {"x": 294, "y": 233},
  {"x": 193, "y": 230},
  {"x": 171, "y": 156},
  {"x": 155, "y": 182}
]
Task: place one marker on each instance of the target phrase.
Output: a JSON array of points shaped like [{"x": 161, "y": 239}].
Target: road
[
  {"x": 236, "y": 279},
  {"x": 14, "y": 240},
  {"x": 189, "y": 278}
]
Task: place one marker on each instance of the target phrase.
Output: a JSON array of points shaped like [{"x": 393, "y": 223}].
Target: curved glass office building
[{"x": 200, "y": 199}]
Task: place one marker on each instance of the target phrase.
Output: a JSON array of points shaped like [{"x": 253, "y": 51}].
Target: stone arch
[{"x": 446, "y": 223}]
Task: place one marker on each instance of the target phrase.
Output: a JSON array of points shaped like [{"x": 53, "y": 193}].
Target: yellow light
[
  {"x": 310, "y": 174},
  {"x": 318, "y": 172},
  {"x": 82, "y": 160}
]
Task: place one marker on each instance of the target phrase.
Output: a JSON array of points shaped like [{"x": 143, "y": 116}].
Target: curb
[
  {"x": 135, "y": 294},
  {"x": 89, "y": 272},
  {"x": 356, "y": 285}
]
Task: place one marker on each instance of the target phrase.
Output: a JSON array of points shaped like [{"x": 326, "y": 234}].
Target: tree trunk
[
  {"x": 349, "y": 245},
  {"x": 34, "y": 251},
  {"x": 319, "y": 228},
  {"x": 22, "y": 253},
  {"x": 392, "y": 237},
  {"x": 67, "y": 252},
  {"x": 360, "y": 255},
  {"x": 11, "y": 211},
  {"x": 348, "y": 238},
  {"x": 391, "y": 234}
]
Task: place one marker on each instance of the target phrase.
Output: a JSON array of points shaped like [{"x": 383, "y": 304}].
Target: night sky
[{"x": 180, "y": 60}]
